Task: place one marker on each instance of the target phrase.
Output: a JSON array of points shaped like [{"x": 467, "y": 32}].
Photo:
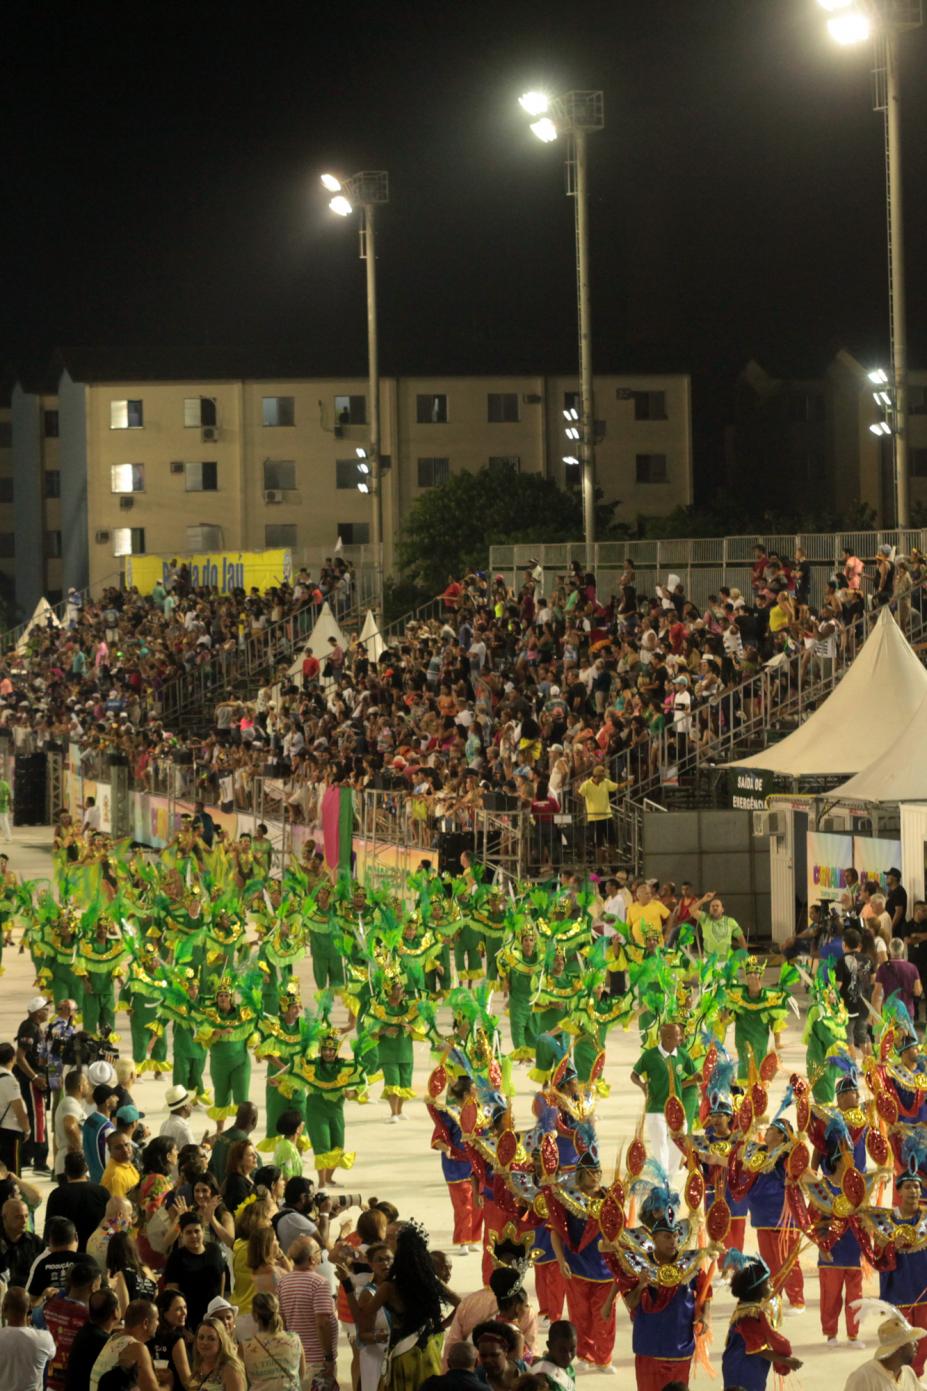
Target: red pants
[
  {"x": 550, "y": 1288},
  {"x": 776, "y": 1245},
  {"x": 653, "y": 1373},
  {"x": 839, "y": 1286},
  {"x": 468, "y": 1220},
  {"x": 734, "y": 1241},
  {"x": 917, "y": 1315},
  {"x": 595, "y": 1335}
]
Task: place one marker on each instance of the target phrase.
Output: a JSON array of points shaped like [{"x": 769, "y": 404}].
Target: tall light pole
[
  {"x": 366, "y": 191},
  {"x": 575, "y": 115},
  {"x": 852, "y": 22}
]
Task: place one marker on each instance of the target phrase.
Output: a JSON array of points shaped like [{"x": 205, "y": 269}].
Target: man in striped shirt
[{"x": 308, "y": 1309}]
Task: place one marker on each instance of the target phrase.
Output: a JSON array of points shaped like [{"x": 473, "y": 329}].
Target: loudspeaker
[
  {"x": 450, "y": 845},
  {"x": 29, "y": 797}
]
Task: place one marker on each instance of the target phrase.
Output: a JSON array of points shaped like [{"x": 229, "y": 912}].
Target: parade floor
[{"x": 395, "y": 1161}]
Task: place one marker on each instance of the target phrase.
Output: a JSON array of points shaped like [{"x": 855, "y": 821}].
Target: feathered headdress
[{"x": 656, "y": 1200}]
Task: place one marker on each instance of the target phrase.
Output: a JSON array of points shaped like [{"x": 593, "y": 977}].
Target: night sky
[{"x": 162, "y": 165}]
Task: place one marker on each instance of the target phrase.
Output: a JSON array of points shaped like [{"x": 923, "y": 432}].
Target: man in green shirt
[
  {"x": 652, "y": 1073},
  {"x": 720, "y": 934}
]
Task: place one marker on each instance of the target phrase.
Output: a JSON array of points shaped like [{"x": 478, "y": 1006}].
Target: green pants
[
  {"x": 141, "y": 1016},
  {"x": 468, "y": 954},
  {"x": 230, "y": 1070},
  {"x": 493, "y": 947},
  {"x": 275, "y": 1104},
  {"x": 823, "y": 1088},
  {"x": 189, "y": 1061},
  {"x": 65, "y": 985},
  {"x": 327, "y": 965},
  {"x": 325, "y": 1128},
  {"x": 99, "y": 1005},
  {"x": 396, "y": 1059},
  {"x": 274, "y": 983},
  {"x": 523, "y": 1023}
]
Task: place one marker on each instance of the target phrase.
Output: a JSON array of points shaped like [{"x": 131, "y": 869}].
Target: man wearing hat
[
  {"x": 894, "y": 1358},
  {"x": 667, "y": 1294},
  {"x": 176, "y": 1124}
]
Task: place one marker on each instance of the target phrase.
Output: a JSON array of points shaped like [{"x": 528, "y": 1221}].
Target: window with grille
[
  {"x": 346, "y": 474},
  {"x": 501, "y": 407},
  {"x": 279, "y": 474},
  {"x": 431, "y": 410},
  {"x": 278, "y": 410},
  {"x": 126, "y": 415},
  {"x": 127, "y": 478},
  {"x": 350, "y": 410},
  {"x": 201, "y": 477},
  {"x": 280, "y": 535},
  {"x": 433, "y": 472},
  {"x": 50, "y": 424},
  {"x": 650, "y": 468},
  {"x": 52, "y": 482},
  {"x": 128, "y": 540},
  {"x": 354, "y": 533},
  {"x": 199, "y": 410},
  {"x": 649, "y": 405}
]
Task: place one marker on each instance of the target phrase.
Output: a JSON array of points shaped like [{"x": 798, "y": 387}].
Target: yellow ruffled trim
[
  {"x": 470, "y": 975},
  {"x": 521, "y": 1055},
  {"x": 221, "y": 1113},
  {"x": 540, "y": 1074},
  {"x": 374, "y": 1077},
  {"x": 407, "y": 1093},
  {"x": 204, "y": 1098},
  {"x": 335, "y": 1159},
  {"x": 267, "y": 1146}
]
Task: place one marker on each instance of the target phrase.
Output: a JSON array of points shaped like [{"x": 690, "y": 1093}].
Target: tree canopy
[{"x": 449, "y": 529}]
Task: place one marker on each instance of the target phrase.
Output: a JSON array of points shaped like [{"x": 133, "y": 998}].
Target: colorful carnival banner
[
  {"x": 222, "y": 570},
  {"x": 829, "y": 858},
  {"x": 874, "y": 857}
]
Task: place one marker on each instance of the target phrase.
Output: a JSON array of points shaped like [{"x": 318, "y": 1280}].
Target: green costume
[
  {"x": 489, "y": 921},
  {"x": 825, "y": 1033},
  {"x": 521, "y": 970},
  {"x": 755, "y": 1016},
  {"x": 281, "y": 1044},
  {"x": 97, "y": 963},
  {"x": 324, "y": 925},
  {"x": 325, "y": 1084},
  {"x": 141, "y": 995},
  {"x": 226, "y": 1035}
]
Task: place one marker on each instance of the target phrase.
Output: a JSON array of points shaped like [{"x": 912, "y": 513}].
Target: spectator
[
  {"x": 24, "y": 1351},
  {"x": 51, "y": 1269},
  {"x": 307, "y": 1308},
  {"x": 83, "y": 1202},
  {"x": 896, "y": 905},
  {"x": 596, "y": 792},
  {"x": 647, "y": 915},
  {"x": 720, "y": 934},
  {"x": 103, "y": 1318},
  {"x": 272, "y": 1351},
  {"x": 69, "y": 1114},
  {"x": 197, "y": 1270},
  {"x": 97, "y": 1125},
  {"x": 461, "y": 1374},
  {"x": 117, "y": 1217},
  {"x": 128, "y": 1277},
  {"x": 19, "y": 1247},
  {"x": 556, "y": 1365},
  {"x": 30, "y": 1071},
  {"x": 172, "y": 1344},
  {"x": 64, "y": 1316},
  {"x": 120, "y": 1175},
  {"x": 215, "y": 1360},
  {"x": 175, "y": 1125},
  {"x": 128, "y": 1352},
  {"x": 897, "y": 975},
  {"x": 15, "y": 1126},
  {"x": 505, "y": 1300},
  {"x": 246, "y": 1120}
]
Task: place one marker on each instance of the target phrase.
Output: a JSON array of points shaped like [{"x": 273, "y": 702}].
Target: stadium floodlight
[
  {"x": 332, "y": 183},
  {"x": 535, "y": 103}
]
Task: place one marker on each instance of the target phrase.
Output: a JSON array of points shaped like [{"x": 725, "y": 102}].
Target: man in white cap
[
  {"x": 892, "y": 1364},
  {"x": 176, "y": 1124}
]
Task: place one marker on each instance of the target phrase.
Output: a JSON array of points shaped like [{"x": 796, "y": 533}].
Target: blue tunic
[{"x": 668, "y": 1333}]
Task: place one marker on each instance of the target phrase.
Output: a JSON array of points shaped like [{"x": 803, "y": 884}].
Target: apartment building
[
  {"x": 156, "y": 453},
  {"x": 7, "y": 523}
]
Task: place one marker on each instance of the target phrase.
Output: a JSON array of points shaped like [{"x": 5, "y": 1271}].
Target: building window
[
  {"x": 572, "y": 401},
  {"x": 917, "y": 400},
  {"x": 572, "y": 474},
  {"x": 350, "y": 410},
  {"x": 650, "y": 468},
  {"x": 918, "y": 462},
  {"x": 280, "y": 536},
  {"x": 501, "y": 407},
  {"x": 199, "y": 410},
  {"x": 805, "y": 405},
  {"x": 201, "y": 478},
  {"x": 354, "y": 533},
  {"x": 52, "y": 482},
  {"x": 6, "y": 490},
  {"x": 7, "y": 544},
  {"x": 278, "y": 410},
  {"x": 433, "y": 472},
  {"x": 53, "y": 545},
  {"x": 127, "y": 478},
  {"x": 512, "y": 461},
  {"x": 125, "y": 415},
  {"x": 129, "y": 540},
  {"x": 50, "y": 424},
  {"x": 279, "y": 475},
  {"x": 649, "y": 405},
  {"x": 431, "y": 410},
  {"x": 346, "y": 474}
]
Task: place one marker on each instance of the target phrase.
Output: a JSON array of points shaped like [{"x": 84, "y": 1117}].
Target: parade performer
[
  {"x": 53, "y": 939},
  {"x": 764, "y": 1172},
  {"x": 899, "y": 1253},
  {"x": 753, "y": 1344},
  {"x": 281, "y": 1041},
  {"x": 660, "y": 1072},
  {"x": 327, "y": 965},
  {"x": 395, "y": 1016},
  {"x": 179, "y": 1005},
  {"x": 281, "y": 943},
  {"x": 225, "y": 1031},
  {"x": 574, "y": 1206},
  {"x": 825, "y": 1031},
  {"x": 757, "y": 1010},
  {"x": 102, "y": 955},
  {"x": 713, "y": 1145},
  {"x": 519, "y": 970},
  {"x": 667, "y": 1293},
  {"x": 325, "y": 1081},
  {"x": 456, "y": 1165},
  {"x": 141, "y": 994}
]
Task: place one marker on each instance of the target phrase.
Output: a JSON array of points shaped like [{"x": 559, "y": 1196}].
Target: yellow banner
[{"x": 222, "y": 570}]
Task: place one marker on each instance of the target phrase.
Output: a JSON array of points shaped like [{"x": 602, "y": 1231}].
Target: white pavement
[{"x": 396, "y": 1162}]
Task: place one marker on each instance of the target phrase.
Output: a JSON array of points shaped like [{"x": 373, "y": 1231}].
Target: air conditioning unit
[
  {"x": 532, "y": 399},
  {"x": 127, "y": 503},
  {"x": 101, "y": 537},
  {"x": 273, "y": 494},
  {"x": 769, "y": 823},
  {"x": 177, "y": 466},
  {"x": 210, "y": 434}
]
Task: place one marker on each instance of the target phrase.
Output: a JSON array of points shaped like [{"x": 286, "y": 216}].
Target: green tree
[{"x": 449, "y": 529}]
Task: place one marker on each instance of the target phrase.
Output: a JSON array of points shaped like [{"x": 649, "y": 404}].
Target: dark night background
[{"x": 162, "y": 185}]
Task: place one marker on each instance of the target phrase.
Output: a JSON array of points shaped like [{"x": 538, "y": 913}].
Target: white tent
[
  {"x": 898, "y": 773},
  {"x": 40, "y": 619},
  {"x": 372, "y": 638},
  {"x": 861, "y": 718},
  {"x": 325, "y": 627}
]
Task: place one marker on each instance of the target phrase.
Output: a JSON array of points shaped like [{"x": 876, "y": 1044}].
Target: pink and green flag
[{"x": 338, "y": 827}]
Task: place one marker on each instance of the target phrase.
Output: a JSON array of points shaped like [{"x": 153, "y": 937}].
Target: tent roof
[
  {"x": 899, "y": 772},
  {"x": 861, "y": 718},
  {"x": 41, "y": 616},
  {"x": 372, "y": 638},
  {"x": 326, "y": 627}
]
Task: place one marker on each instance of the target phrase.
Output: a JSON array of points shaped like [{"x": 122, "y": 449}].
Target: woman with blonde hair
[
  {"x": 274, "y": 1359},
  {"x": 216, "y": 1364}
]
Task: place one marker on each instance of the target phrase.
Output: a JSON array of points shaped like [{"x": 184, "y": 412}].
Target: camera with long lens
[{"x": 339, "y": 1201}]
